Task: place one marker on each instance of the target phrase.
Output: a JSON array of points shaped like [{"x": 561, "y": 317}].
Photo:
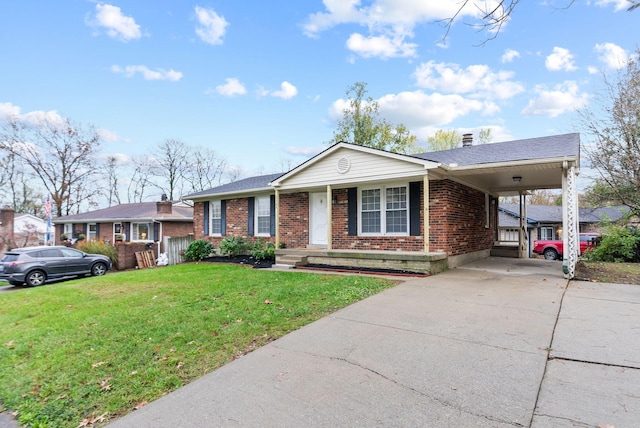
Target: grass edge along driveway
[{"x": 84, "y": 352}]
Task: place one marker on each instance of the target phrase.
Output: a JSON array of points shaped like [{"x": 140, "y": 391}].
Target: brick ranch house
[
  {"x": 357, "y": 206},
  {"x": 145, "y": 224}
]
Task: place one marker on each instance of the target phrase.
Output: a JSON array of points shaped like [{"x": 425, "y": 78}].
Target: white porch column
[
  {"x": 523, "y": 246},
  {"x": 425, "y": 209},
  {"x": 570, "y": 221},
  {"x": 277, "y": 218},
  {"x": 329, "y": 220}
]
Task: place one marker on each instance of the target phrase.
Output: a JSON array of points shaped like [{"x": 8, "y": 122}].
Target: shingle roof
[
  {"x": 555, "y": 146},
  {"x": 139, "y": 211},
  {"x": 553, "y": 213},
  {"x": 251, "y": 183}
]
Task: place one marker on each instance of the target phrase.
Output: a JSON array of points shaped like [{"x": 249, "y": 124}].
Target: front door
[{"x": 318, "y": 219}]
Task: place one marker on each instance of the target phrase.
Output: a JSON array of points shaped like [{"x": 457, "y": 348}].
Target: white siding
[{"x": 363, "y": 167}]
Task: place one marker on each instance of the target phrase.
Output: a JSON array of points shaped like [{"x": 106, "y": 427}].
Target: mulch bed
[{"x": 241, "y": 260}]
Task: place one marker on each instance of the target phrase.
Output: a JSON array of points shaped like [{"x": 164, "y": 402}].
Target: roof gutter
[{"x": 455, "y": 167}]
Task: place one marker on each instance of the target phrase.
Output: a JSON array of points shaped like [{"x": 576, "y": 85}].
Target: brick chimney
[
  {"x": 164, "y": 206},
  {"x": 467, "y": 140}
]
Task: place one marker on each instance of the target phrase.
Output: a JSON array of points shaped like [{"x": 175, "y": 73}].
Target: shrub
[
  {"x": 100, "y": 247},
  {"x": 619, "y": 244},
  {"x": 234, "y": 246},
  {"x": 198, "y": 250},
  {"x": 264, "y": 252}
]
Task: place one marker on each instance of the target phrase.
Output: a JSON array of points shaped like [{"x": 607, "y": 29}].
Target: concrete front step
[{"x": 290, "y": 260}]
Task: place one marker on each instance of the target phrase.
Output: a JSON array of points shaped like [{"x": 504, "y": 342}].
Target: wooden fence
[{"x": 175, "y": 246}]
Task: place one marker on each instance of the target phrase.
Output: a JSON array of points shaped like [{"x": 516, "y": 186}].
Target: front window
[
  {"x": 546, "y": 233},
  {"x": 68, "y": 230},
  {"x": 142, "y": 231},
  {"x": 263, "y": 216},
  {"x": 93, "y": 232},
  {"x": 384, "y": 211},
  {"x": 215, "y": 207}
]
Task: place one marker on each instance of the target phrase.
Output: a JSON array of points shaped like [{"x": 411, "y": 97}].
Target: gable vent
[{"x": 343, "y": 165}]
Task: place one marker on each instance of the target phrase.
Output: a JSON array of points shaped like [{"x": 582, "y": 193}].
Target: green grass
[{"x": 98, "y": 347}]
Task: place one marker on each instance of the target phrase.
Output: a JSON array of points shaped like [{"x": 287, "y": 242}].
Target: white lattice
[{"x": 570, "y": 211}]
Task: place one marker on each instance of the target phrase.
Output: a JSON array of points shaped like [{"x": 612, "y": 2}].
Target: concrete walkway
[{"x": 466, "y": 348}]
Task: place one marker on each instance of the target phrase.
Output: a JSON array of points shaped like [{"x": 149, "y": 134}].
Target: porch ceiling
[{"x": 498, "y": 179}]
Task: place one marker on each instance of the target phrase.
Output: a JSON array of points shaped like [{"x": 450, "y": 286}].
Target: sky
[{"x": 263, "y": 82}]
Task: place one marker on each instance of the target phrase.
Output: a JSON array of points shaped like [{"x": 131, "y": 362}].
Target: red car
[{"x": 552, "y": 250}]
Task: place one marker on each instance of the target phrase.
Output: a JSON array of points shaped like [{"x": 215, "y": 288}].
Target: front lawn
[{"x": 81, "y": 353}]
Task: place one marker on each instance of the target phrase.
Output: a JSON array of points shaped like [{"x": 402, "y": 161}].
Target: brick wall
[
  {"x": 457, "y": 219},
  {"x": 457, "y": 222}
]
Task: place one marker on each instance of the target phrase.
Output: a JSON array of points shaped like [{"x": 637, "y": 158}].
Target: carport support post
[
  {"x": 523, "y": 252},
  {"x": 569, "y": 219}
]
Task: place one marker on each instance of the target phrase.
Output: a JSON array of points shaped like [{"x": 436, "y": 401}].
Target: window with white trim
[
  {"x": 546, "y": 233},
  {"x": 142, "y": 232},
  {"x": 384, "y": 211},
  {"x": 215, "y": 212},
  {"x": 263, "y": 216},
  {"x": 68, "y": 230}
]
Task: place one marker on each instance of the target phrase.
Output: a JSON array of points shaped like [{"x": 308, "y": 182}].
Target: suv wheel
[
  {"x": 99, "y": 269},
  {"x": 550, "y": 254},
  {"x": 35, "y": 278}
]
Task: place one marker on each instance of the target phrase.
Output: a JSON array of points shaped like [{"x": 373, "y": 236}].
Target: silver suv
[{"x": 37, "y": 265}]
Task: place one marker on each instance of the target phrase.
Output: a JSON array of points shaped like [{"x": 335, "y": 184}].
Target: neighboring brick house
[
  {"x": 356, "y": 199},
  {"x": 545, "y": 221},
  {"x": 145, "y": 222}
]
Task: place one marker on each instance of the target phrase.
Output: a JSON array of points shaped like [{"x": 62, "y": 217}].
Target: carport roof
[{"x": 551, "y": 147}]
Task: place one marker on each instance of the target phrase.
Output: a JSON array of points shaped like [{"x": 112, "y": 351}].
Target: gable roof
[
  {"x": 251, "y": 184},
  {"x": 128, "y": 212},
  {"x": 554, "y": 146}
]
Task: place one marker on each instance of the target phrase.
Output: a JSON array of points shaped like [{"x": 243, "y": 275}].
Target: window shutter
[
  {"x": 250, "y": 210},
  {"x": 272, "y": 215},
  {"x": 223, "y": 220},
  {"x": 84, "y": 229},
  {"x": 98, "y": 231},
  {"x": 352, "y": 208},
  {"x": 127, "y": 231},
  {"x": 156, "y": 232},
  {"x": 61, "y": 231},
  {"x": 206, "y": 220},
  {"x": 414, "y": 208}
]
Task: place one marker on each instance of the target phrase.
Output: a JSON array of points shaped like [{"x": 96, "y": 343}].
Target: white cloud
[
  {"x": 592, "y": 70},
  {"x": 419, "y": 110},
  {"x": 32, "y": 118},
  {"x": 382, "y": 46},
  {"x": 231, "y": 88},
  {"x": 478, "y": 80},
  {"x": 212, "y": 27},
  {"x": 148, "y": 74},
  {"x": 509, "y": 55},
  {"x": 116, "y": 25},
  {"x": 389, "y": 22},
  {"x": 108, "y": 136},
  {"x": 618, "y": 5},
  {"x": 287, "y": 91},
  {"x": 612, "y": 55},
  {"x": 561, "y": 59},
  {"x": 8, "y": 110},
  {"x": 564, "y": 97}
]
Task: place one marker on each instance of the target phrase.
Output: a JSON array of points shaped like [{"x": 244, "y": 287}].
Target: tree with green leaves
[
  {"x": 451, "y": 139},
  {"x": 361, "y": 124},
  {"x": 613, "y": 127}
]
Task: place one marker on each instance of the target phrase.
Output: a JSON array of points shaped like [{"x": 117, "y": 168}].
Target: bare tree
[
  {"x": 59, "y": 153},
  {"x": 140, "y": 180},
  {"x": 17, "y": 189},
  {"x": 112, "y": 175},
  {"x": 205, "y": 168},
  {"x": 494, "y": 15},
  {"x": 614, "y": 130},
  {"x": 170, "y": 167}
]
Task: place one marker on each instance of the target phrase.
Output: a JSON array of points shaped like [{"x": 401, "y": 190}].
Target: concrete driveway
[{"x": 496, "y": 343}]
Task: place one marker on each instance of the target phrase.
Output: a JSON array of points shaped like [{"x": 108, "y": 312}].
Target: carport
[{"x": 531, "y": 164}]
